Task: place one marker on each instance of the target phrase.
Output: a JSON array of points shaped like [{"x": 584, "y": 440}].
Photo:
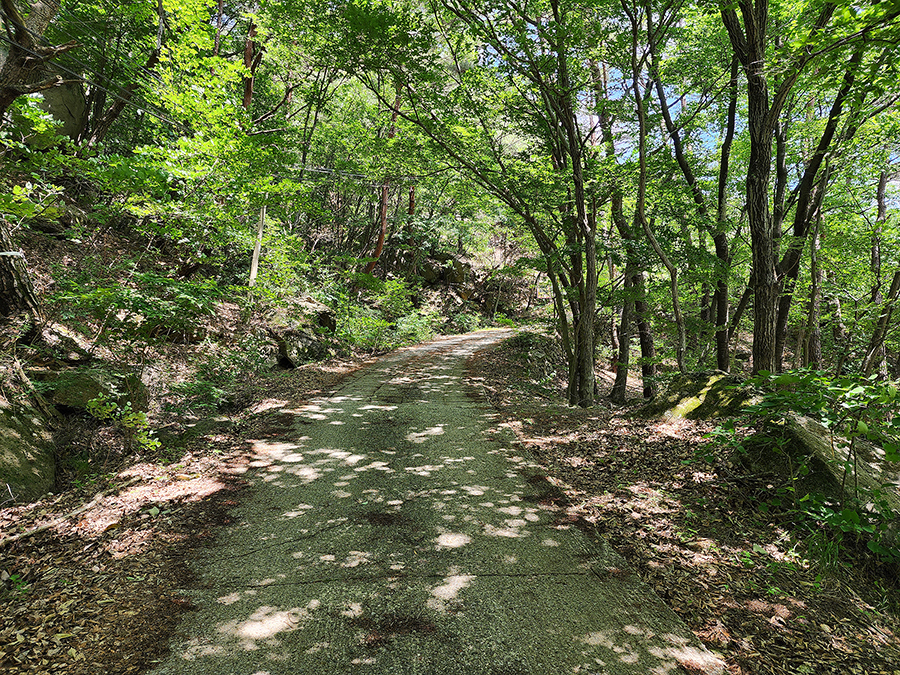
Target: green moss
[
  {"x": 701, "y": 396},
  {"x": 26, "y": 453}
]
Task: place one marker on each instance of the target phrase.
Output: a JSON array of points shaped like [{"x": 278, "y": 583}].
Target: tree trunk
[
  {"x": 257, "y": 247},
  {"x": 111, "y": 114},
  {"x": 839, "y": 333},
  {"x": 252, "y": 58},
  {"x": 812, "y": 355},
  {"x": 720, "y": 240},
  {"x": 738, "y": 314},
  {"x": 618, "y": 393},
  {"x": 749, "y": 43},
  {"x": 219, "y": 14},
  {"x": 720, "y": 299},
  {"x": 640, "y": 215},
  {"x": 881, "y": 328},
  {"x": 17, "y": 296},
  {"x": 645, "y": 338},
  {"x": 879, "y": 358},
  {"x": 810, "y": 193},
  {"x": 583, "y": 227},
  {"x": 24, "y": 70},
  {"x": 382, "y": 209}
]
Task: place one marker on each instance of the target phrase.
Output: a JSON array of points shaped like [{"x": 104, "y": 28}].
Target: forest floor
[
  {"x": 748, "y": 582},
  {"x": 97, "y": 590}
]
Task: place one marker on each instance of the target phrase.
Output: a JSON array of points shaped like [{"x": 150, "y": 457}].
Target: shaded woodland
[{"x": 194, "y": 194}]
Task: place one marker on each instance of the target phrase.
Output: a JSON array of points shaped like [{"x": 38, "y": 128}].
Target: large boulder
[
  {"x": 72, "y": 389},
  {"x": 68, "y": 105},
  {"x": 27, "y": 466},
  {"x": 445, "y": 268},
  {"x": 311, "y": 310},
  {"x": 296, "y": 346},
  {"x": 299, "y": 329}
]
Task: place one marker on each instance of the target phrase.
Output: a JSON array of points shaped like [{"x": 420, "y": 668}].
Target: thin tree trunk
[
  {"x": 739, "y": 310},
  {"x": 219, "y": 15},
  {"x": 812, "y": 355},
  {"x": 839, "y": 333},
  {"x": 257, "y": 247},
  {"x": 879, "y": 357},
  {"x": 17, "y": 297},
  {"x": 720, "y": 300},
  {"x": 645, "y": 338},
  {"x": 252, "y": 58},
  {"x": 613, "y": 333},
  {"x": 810, "y": 193},
  {"x": 583, "y": 228},
  {"x": 640, "y": 214},
  {"x": 110, "y": 115},
  {"x": 382, "y": 210},
  {"x": 720, "y": 240},
  {"x": 618, "y": 393},
  {"x": 881, "y": 328}
]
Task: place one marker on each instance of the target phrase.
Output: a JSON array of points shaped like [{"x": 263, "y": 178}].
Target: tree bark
[
  {"x": 645, "y": 338},
  {"x": 581, "y": 226},
  {"x": 385, "y": 188},
  {"x": 252, "y": 58},
  {"x": 640, "y": 214},
  {"x": 839, "y": 334},
  {"x": 881, "y": 328},
  {"x": 749, "y": 42},
  {"x": 618, "y": 393},
  {"x": 720, "y": 296},
  {"x": 17, "y": 296},
  {"x": 879, "y": 358},
  {"x": 219, "y": 14},
  {"x": 24, "y": 70},
  {"x": 102, "y": 126},
  {"x": 812, "y": 353}
]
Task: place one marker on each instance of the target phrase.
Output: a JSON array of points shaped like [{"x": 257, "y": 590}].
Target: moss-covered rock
[
  {"x": 27, "y": 463},
  {"x": 73, "y": 389},
  {"x": 707, "y": 395}
]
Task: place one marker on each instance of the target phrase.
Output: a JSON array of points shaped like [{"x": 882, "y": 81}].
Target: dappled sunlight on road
[{"x": 411, "y": 539}]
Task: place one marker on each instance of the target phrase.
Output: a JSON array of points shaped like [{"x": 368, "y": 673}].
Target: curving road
[{"x": 391, "y": 529}]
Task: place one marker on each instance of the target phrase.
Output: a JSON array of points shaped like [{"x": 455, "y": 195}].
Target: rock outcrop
[
  {"x": 301, "y": 331},
  {"x": 27, "y": 465}
]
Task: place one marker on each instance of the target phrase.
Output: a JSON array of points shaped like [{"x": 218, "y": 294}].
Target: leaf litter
[
  {"x": 101, "y": 590},
  {"x": 748, "y": 583},
  {"x": 92, "y": 580}
]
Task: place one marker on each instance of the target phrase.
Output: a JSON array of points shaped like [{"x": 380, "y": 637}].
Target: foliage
[
  {"x": 150, "y": 306},
  {"x": 850, "y": 407},
  {"x": 219, "y": 374},
  {"x": 464, "y": 321},
  {"x": 133, "y": 423}
]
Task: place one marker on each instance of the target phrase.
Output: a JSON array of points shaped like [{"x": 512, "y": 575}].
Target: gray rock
[
  {"x": 27, "y": 465},
  {"x": 302, "y": 311},
  {"x": 296, "y": 347},
  {"x": 295, "y": 327},
  {"x": 75, "y": 388},
  {"x": 67, "y": 105}
]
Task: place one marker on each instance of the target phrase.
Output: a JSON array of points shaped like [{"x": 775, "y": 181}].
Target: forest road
[{"x": 393, "y": 529}]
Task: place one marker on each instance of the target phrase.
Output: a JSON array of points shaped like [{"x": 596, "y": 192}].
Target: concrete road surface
[{"x": 392, "y": 529}]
